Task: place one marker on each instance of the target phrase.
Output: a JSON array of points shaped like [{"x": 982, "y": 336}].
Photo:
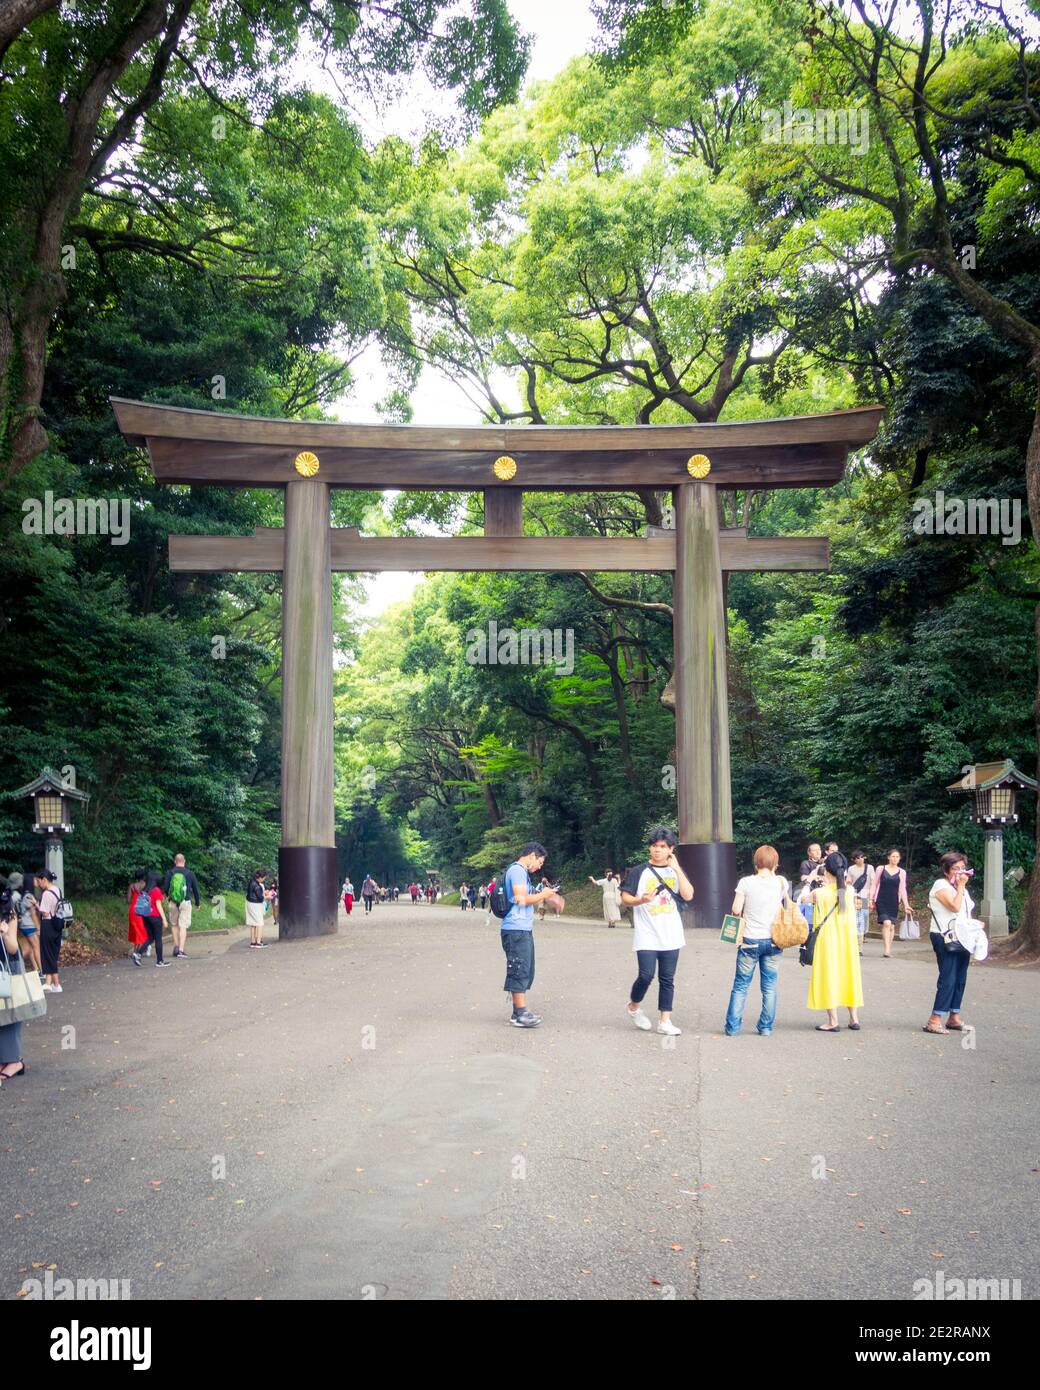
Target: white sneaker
[
  {"x": 639, "y": 1019},
  {"x": 667, "y": 1026},
  {"x": 47, "y": 989}
]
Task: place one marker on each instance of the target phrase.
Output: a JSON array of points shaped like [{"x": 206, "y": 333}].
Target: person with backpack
[
  {"x": 24, "y": 905},
  {"x": 148, "y": 904},
  {"x": 51, "y": 923},
  {"x": 513, "y": 902},
  {"x": 256, "y": 902},
  {"x": 137, "y": 932},
  {"x": 369, "y": 889},
  {"x": 653, "y": 891},
  {"x": 181, "y": 890},
  {"x": 860, "y": 878}
]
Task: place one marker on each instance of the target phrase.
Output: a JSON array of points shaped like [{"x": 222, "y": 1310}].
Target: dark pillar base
[
  {"x": 308, "y": 891},
  {"x": 712, "y": 869}
]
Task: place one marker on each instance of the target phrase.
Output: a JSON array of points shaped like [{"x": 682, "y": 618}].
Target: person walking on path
[
  {"x": 48, "y": 898},
  {"x": 472, "y": 894},
  {"x": 24, "y": 905},
  {"x": 413, "y": 892},
  {"x": 147, "y": 903},
  {"x": 951, "y": 907},
  {"x": 860, "y": 878},
  {"x": 652, "y": 890},
  {"x": 757, "y": 900},
  {"x": 348, "y": 895},
  {"x": 137, "y": 932},
  {"x": 369, "y": 889},
  {"x": 835, "y": 979},
  {"x": 518, "y": 930},
  {"x": 181, "y": 890},
  {"x": 888, "y": 897},
  {"x": 611, "y": 885},
  {"x": 12, "y": 1063},
  {"x": 256, "y": 897},
  {"x": 463, "y": 896}
]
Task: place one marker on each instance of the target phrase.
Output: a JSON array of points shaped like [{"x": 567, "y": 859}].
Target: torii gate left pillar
[{"x": 308, "y": 879}]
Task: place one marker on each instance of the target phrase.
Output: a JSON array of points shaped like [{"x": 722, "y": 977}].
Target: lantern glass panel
[
  {"x": 982, "y": 805},
  {"x": 48, "y": 810},
  {"x": 1002, "y": 801}
]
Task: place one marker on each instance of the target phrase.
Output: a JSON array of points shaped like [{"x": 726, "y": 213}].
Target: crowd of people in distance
[{"x": 372, "y": 893}]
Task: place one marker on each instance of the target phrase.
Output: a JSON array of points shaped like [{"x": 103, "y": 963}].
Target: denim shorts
[{"x": 519, "y": 949}]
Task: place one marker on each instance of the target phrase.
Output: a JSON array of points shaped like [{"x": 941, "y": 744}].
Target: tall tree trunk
[
  {"x": 37, "y": 293},
  {"x": 1024, "y": 944}
]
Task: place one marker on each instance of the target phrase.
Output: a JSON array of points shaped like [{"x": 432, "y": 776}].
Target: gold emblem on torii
[{"x": 306, "y": 464}]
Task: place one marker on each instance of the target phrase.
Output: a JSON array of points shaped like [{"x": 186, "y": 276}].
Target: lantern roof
[
  {"x": 984, "y": 776},
  {"x": 49, "y": 781}
]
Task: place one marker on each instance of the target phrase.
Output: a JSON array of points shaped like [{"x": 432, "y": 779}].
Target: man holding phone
[
  {"x": 518, "y": 929},
  {"x": 653, "y": 890}
]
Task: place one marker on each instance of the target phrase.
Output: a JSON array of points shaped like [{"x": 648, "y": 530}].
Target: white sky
[{"x": 561, "y": 29}]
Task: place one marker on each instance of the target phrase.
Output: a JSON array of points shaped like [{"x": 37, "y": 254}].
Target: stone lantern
[
  {"x": 993, "y": 787},
  {"x": 53, "y": 802}
]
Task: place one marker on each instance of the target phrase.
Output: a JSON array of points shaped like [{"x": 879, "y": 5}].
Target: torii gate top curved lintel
[
  {"x": 210, "y": 447},
  {"x": 308, "y": 458}
]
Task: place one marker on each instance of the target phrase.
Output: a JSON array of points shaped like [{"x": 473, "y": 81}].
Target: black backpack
[{"x": 500, "y": 903}]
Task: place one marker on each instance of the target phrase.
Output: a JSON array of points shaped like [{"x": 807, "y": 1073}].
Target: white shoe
[
  {"x": 47, "y": 989},
  {"x": 639, "y": 1019},
  {"x": 667, "y": 1026}
]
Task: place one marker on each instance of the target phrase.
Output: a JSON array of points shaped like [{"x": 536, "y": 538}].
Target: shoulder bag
[
  {"x": 27, "y": 999},
  {"x": 808, "y": 946},
  {"x": 789, "y": 925}
]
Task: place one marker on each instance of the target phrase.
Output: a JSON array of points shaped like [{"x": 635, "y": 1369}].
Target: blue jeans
[
  {"x": 806, "y": 909},
  {"x": 862, "y": 920},
  {"x": 763, "y": 954},
  {"x": 953, "y": 975}
]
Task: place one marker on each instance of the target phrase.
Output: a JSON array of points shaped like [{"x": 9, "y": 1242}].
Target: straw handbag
[{"x": 789, "y": 925}]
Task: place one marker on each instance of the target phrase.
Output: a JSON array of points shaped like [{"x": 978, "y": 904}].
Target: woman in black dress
[{"x": 889, "y": 896}]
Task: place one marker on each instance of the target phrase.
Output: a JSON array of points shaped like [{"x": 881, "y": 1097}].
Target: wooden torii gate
[{"x": 307, "y": 459}]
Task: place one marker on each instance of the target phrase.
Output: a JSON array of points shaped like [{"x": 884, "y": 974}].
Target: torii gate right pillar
[{"x": 705, "y": 804}]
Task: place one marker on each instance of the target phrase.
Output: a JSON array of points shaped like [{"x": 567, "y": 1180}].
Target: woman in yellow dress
[{"x": 836, "y": 979}]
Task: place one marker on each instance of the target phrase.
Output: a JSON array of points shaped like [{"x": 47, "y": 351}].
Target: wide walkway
[{"x": 353, "y": 1118}]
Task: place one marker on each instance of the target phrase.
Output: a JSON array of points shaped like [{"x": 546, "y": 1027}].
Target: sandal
[
  {"x": 940, "y": 1031},
  {"x": 955, "y": 1027}
]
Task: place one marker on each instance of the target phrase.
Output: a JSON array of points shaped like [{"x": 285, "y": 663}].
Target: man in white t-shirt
[
  {"x": 652, "y": 890},
  {"x": 757, "y": 900}
]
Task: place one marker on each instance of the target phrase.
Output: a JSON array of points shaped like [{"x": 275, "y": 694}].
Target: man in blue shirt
[{"x": 518, "y": 929}]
